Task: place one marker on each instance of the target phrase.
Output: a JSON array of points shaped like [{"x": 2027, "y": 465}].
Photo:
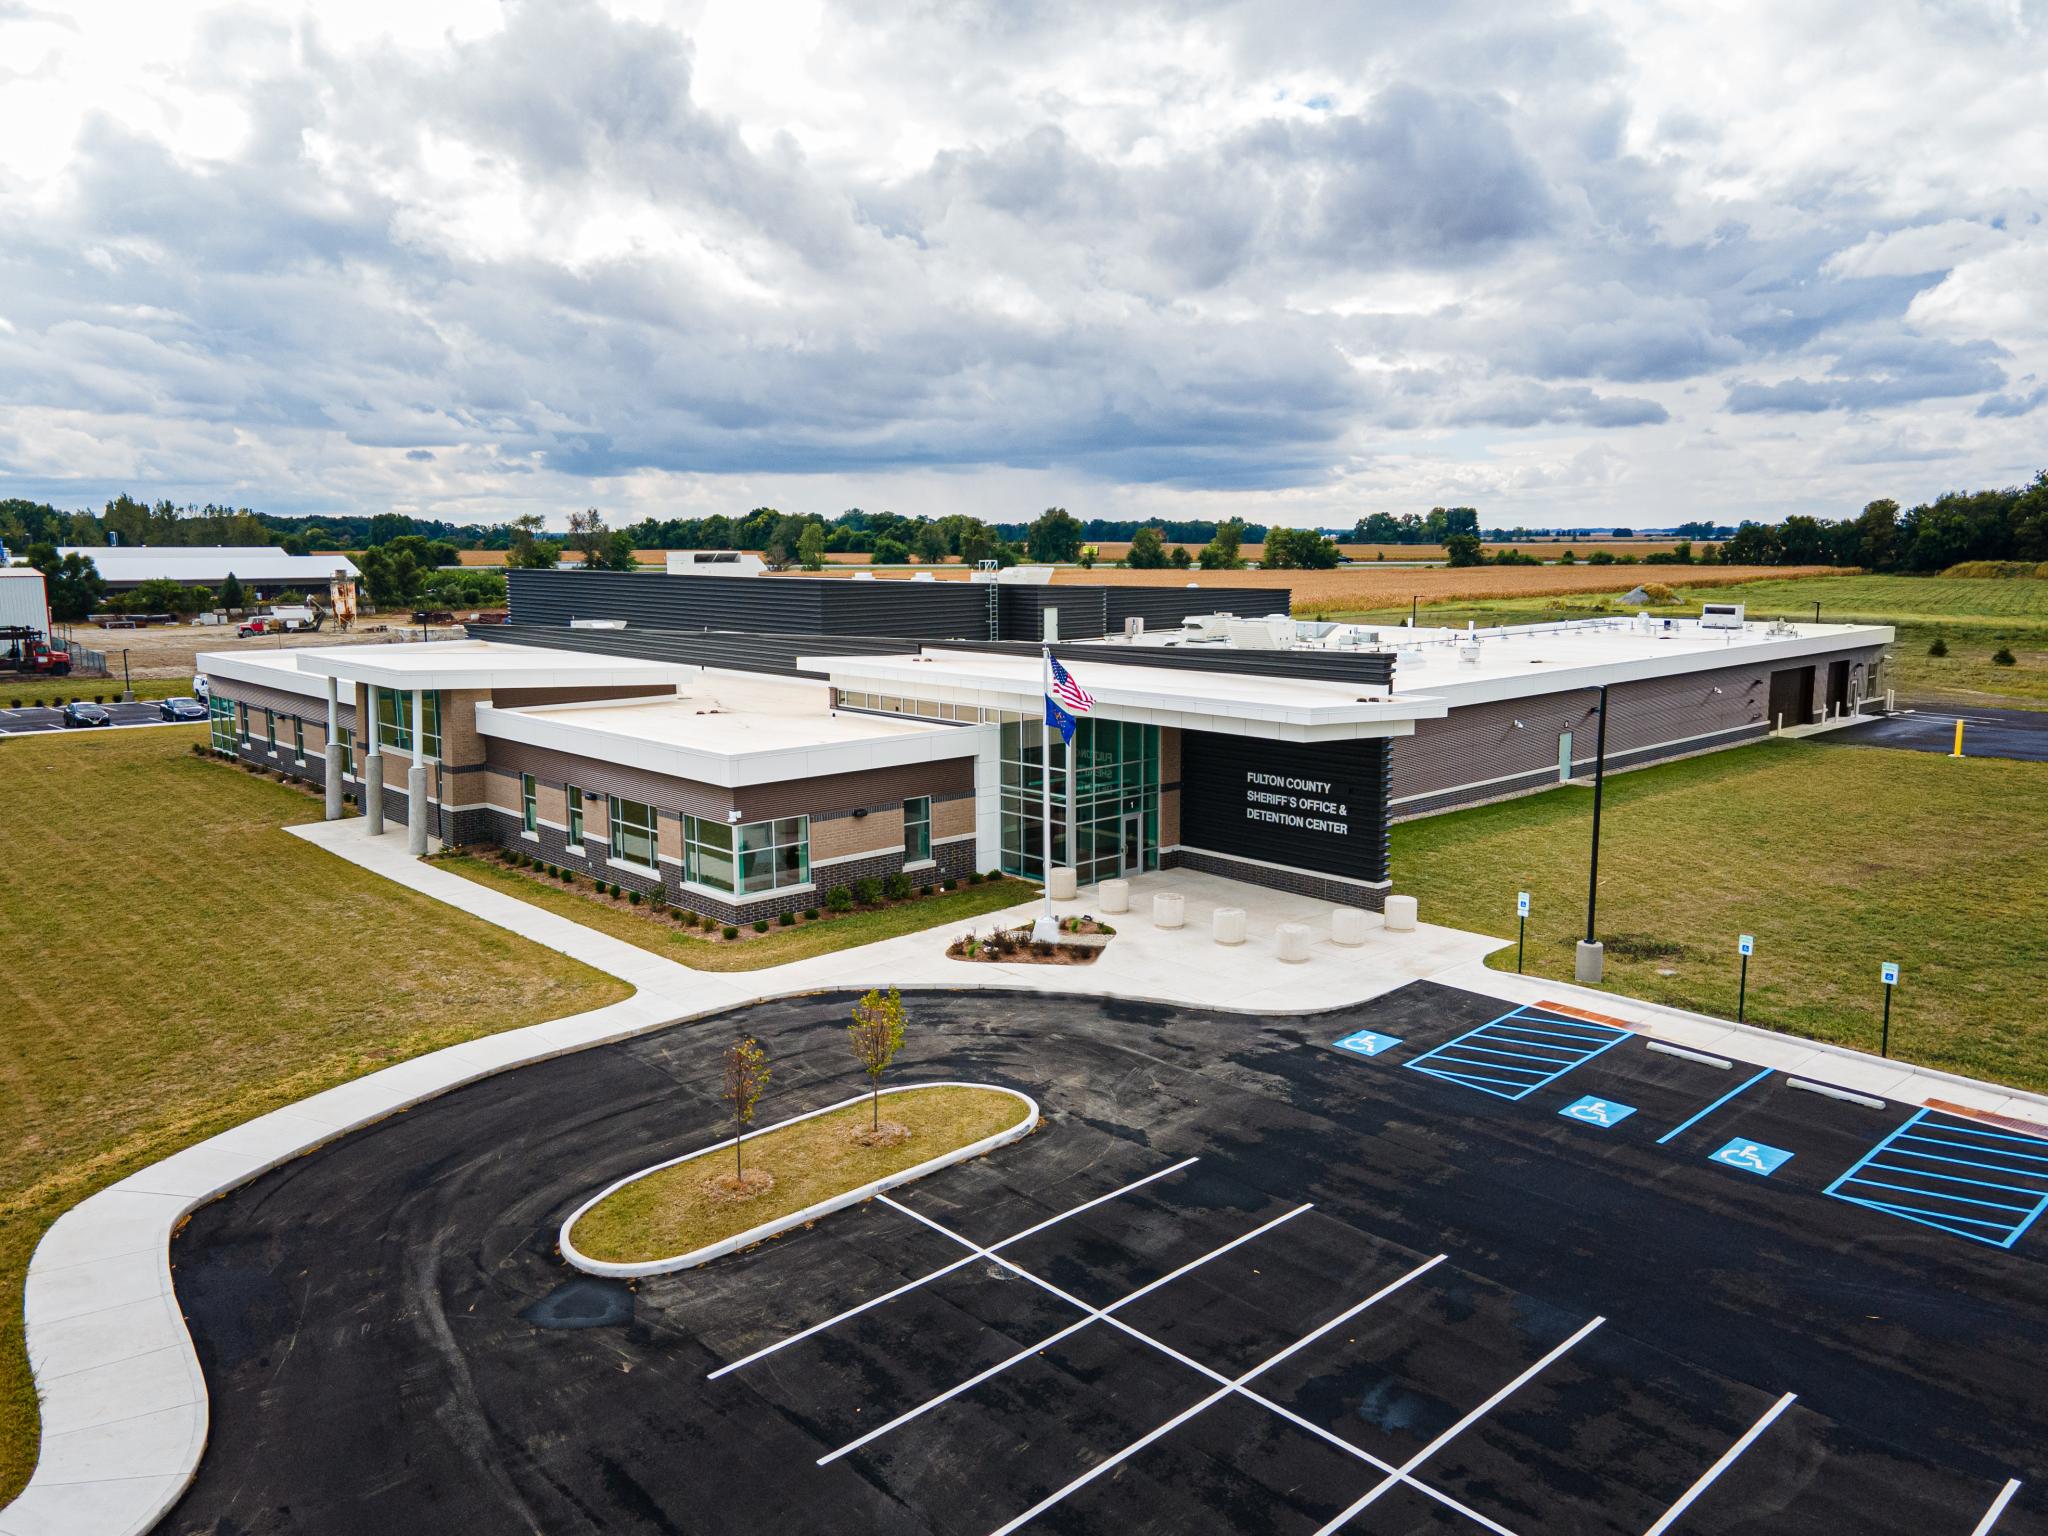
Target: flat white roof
[
  {"x": 731, "y": 729},
  {"x": 464, "y": 664},
  {"x": 210, "y": 563},
  {"x": 1290, "y": 709}
]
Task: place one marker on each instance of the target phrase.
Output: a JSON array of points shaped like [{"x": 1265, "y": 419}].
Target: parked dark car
[
  {"x": 78, "y": 712},
  {"x": 181, "y": 709}
]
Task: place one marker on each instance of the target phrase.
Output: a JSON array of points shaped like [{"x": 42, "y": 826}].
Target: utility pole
[{"x": 1591, "y": 957}]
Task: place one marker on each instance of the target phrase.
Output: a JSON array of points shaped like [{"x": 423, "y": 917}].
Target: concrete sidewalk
[{"x": 123, "y": 1401}]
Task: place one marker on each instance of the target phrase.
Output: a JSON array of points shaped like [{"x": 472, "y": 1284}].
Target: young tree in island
[
  {"x": 877, "y": 1035},
  {"x": 810, "y": 549},
  {"x": 746, "y": 1079}
]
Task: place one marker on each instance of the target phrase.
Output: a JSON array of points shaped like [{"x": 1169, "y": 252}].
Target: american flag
[{"x": 1077, "y": 699}]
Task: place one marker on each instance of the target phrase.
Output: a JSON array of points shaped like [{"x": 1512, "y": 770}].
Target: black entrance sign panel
[{"x": 1321, "y": 807}]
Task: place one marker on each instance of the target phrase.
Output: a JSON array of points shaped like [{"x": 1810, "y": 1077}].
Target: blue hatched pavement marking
[
  {"x": 1541, "y": 1060},
  {"x": 1935, "y": 1202}
]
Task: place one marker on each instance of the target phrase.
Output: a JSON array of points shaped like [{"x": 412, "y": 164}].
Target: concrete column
[
  {"x": 988, "y": 798},
  {"x": 416, "y": 779},
  {"x": 334, "y": 752},
  {"x": 373, "y": 767}
]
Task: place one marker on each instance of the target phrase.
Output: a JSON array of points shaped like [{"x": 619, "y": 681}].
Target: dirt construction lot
[{"x": 166, "y": 651}]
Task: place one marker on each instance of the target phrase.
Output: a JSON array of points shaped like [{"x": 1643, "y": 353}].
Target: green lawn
[
  {"x": 177, "y": 964},
  {"x": 62, "y": 690},
  {"x": 1836, "y": 858},
  {"x": 753, "y": 951},
  {"x": 1973, "y": 618}
]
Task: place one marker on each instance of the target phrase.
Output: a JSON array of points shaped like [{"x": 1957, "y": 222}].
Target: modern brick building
[{"x": 745, "y": 772}]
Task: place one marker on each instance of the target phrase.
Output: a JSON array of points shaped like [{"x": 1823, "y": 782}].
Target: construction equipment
[{"x": 29, "y": 650}]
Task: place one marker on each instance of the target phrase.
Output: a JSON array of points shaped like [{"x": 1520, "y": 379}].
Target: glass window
[
  {"x": 298, "y": 738},
  {"x": 575, "y": 817},
  {"x": 221, "y": 723},
  {"x": 394, "y": 721},
  {"x": 270, "y": 730},
  {"x": 243, "y": 710},
  {"x": 754, "y": 856},
  {"x": 917, "y": 829},
  {"x": 529, "y": 803},
  {"x": 348, "y": 752},
  {"x": 633, "y": 835}
]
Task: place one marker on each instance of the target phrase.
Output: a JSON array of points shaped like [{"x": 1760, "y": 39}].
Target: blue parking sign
[
  {"x": 1751, "y": 1157},
  {"x": 1600, "y": 1112},
  {"x": 1366, "y": 1043}
]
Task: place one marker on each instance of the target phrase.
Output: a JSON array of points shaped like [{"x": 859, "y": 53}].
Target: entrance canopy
[{"x": 1275, "y": 708}]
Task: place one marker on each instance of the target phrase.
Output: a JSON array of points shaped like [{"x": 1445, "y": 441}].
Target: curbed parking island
[{"x": 679, "y": 1214}]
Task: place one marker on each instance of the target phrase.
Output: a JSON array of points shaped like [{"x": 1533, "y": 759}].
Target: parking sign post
[
  {"x": 1889, "y": 975},
  {"x": 1743, "y": 945},
  {"x": 1521, "y": 926}
]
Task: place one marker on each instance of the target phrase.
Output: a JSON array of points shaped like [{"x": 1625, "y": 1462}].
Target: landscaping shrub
[
  {"x": 2003, "y": 657},
  {"x": 760, "y": 925},
  {"x": 568, "y": 877},
  {"x": 867, "y": 892},
  {"x": 787, "y": 919},
  {"x": 810, "y": 914},
  {"x": 633, "y": 897},
  {"x": 731, "y": 932},
  {"x": 1939, "y": 648},
  {"x": 952, "y": 884},
  {"x": 994, "y": 874},
  {"x": 839, "y": 899},
  {"x": 974, "y": 877},
  {"x": 897, "y": 886}
]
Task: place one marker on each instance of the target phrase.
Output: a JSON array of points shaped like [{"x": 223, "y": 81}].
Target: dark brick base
[
  {"x": 954, "y": 862},
  {"x": 1301, "y": 882}
]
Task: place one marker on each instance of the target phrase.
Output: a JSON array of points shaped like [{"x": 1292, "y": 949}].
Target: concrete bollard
[
  {"x": 1168, "y": 910},
  {"x": 1229, "y": 925},
  {"x": 1292, "y": 940},
  {"x": 373, "y": 793},
  {"x": 1062, "y": 885},
  {"x": 1116, "y": 895},
  {"x": 416, "y": 810},
  {"x": 1400, "y": 914},
  {"x": 1590, "y": 963},
  {"x": 1347, "y": 926},
  {"x": 337, "y": 762}
]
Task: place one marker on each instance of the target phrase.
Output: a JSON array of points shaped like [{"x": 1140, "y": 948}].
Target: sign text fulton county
[{"x": 1306, "y": 805}]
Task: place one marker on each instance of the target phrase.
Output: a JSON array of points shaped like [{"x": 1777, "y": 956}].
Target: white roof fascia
[
  {"x": 727, "y": 770},
  {"x": 272, "y": 670},
  {"x": 1292, "y": 718},
  {"x": 467, "y": 669},
  {"x": 1441, "y": 681}
]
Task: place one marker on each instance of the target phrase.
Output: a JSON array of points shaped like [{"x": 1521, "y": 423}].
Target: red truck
[{"x": 28, "y": 650}]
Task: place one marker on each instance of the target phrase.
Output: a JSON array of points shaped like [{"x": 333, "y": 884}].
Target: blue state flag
[{"x": 1059, "y": 719}]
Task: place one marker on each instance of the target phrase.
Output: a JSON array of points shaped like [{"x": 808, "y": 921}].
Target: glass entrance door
[{"x": 1130, "y": 858}]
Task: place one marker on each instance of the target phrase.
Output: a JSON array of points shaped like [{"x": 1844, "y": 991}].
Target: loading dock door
[{"x": 1792, "y": 696}]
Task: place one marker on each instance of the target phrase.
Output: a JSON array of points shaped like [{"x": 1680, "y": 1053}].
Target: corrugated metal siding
[
  {"x": 729, "y": 650},
  {"x": 1365, "y": 668},
  {"x": 872, "y": 790},
  {"x": 1213, "y": 802},
  {"x": 23, "y": 604},
  {"x": 282, "y": 701},
  {"x": 1170, "y": 607},
  {"x": 1084, "y": 612}
]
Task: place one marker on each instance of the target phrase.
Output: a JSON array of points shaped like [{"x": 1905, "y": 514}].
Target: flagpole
[{"x": 1045, "y": 773}]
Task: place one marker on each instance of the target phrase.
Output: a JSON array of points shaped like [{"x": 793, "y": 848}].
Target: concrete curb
[
  {"x": 124, "y": 1404},
  {"x": 809, "y": 1213}
]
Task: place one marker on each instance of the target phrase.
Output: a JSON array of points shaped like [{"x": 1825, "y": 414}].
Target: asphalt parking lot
[
  {"x": 1475, "y": 1268},
  {"x": 30, "y": 721},
  {"x": 2014, "y": 733}
]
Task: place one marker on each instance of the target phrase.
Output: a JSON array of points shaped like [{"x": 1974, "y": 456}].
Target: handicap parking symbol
[
  {"x": 1752, "y": 1157},
  {"x": 1600, "y": 1112},
  {"x": 1366, "y": 1043}
]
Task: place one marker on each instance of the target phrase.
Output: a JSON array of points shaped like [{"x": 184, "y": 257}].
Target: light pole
[
  {"x": 127, "y": 688},
  {"x": 1591, "y": 957}
]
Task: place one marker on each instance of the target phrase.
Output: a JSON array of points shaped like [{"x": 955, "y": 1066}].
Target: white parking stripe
[
  {"x": 1456, "y": 1429},
  {"x": 978, "y": 1252},
  {"x": 1092, "y": 1315},
  {"x": 1997, "y": 1508},
  {"x": 1727, "y": 1460},
  {"x": 1213, "y": 1398}
]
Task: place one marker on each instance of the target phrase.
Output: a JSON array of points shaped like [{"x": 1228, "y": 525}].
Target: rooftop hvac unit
[
  {"x": 1468, "y": 655},
  {"x": 1721, "y": 616},
  {"x": 1134, "y": 625},
  {"x": 597, "y": 623},
  {"x": 923, "y": 576}
]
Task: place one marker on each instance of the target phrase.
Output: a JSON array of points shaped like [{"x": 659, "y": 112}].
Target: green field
[
  {"x": 176, "y": 964},
  {"x": 1836, "y": 858},
  {"x": 752, "y": 951},
  {"x": 1974, "y": 618}
]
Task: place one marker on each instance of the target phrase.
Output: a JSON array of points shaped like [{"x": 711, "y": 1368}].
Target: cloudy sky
[{"x": 1573, "y": 265}]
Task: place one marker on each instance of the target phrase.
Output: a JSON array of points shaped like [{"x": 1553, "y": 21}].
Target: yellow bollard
[{"x": 1958, "y": 752}]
